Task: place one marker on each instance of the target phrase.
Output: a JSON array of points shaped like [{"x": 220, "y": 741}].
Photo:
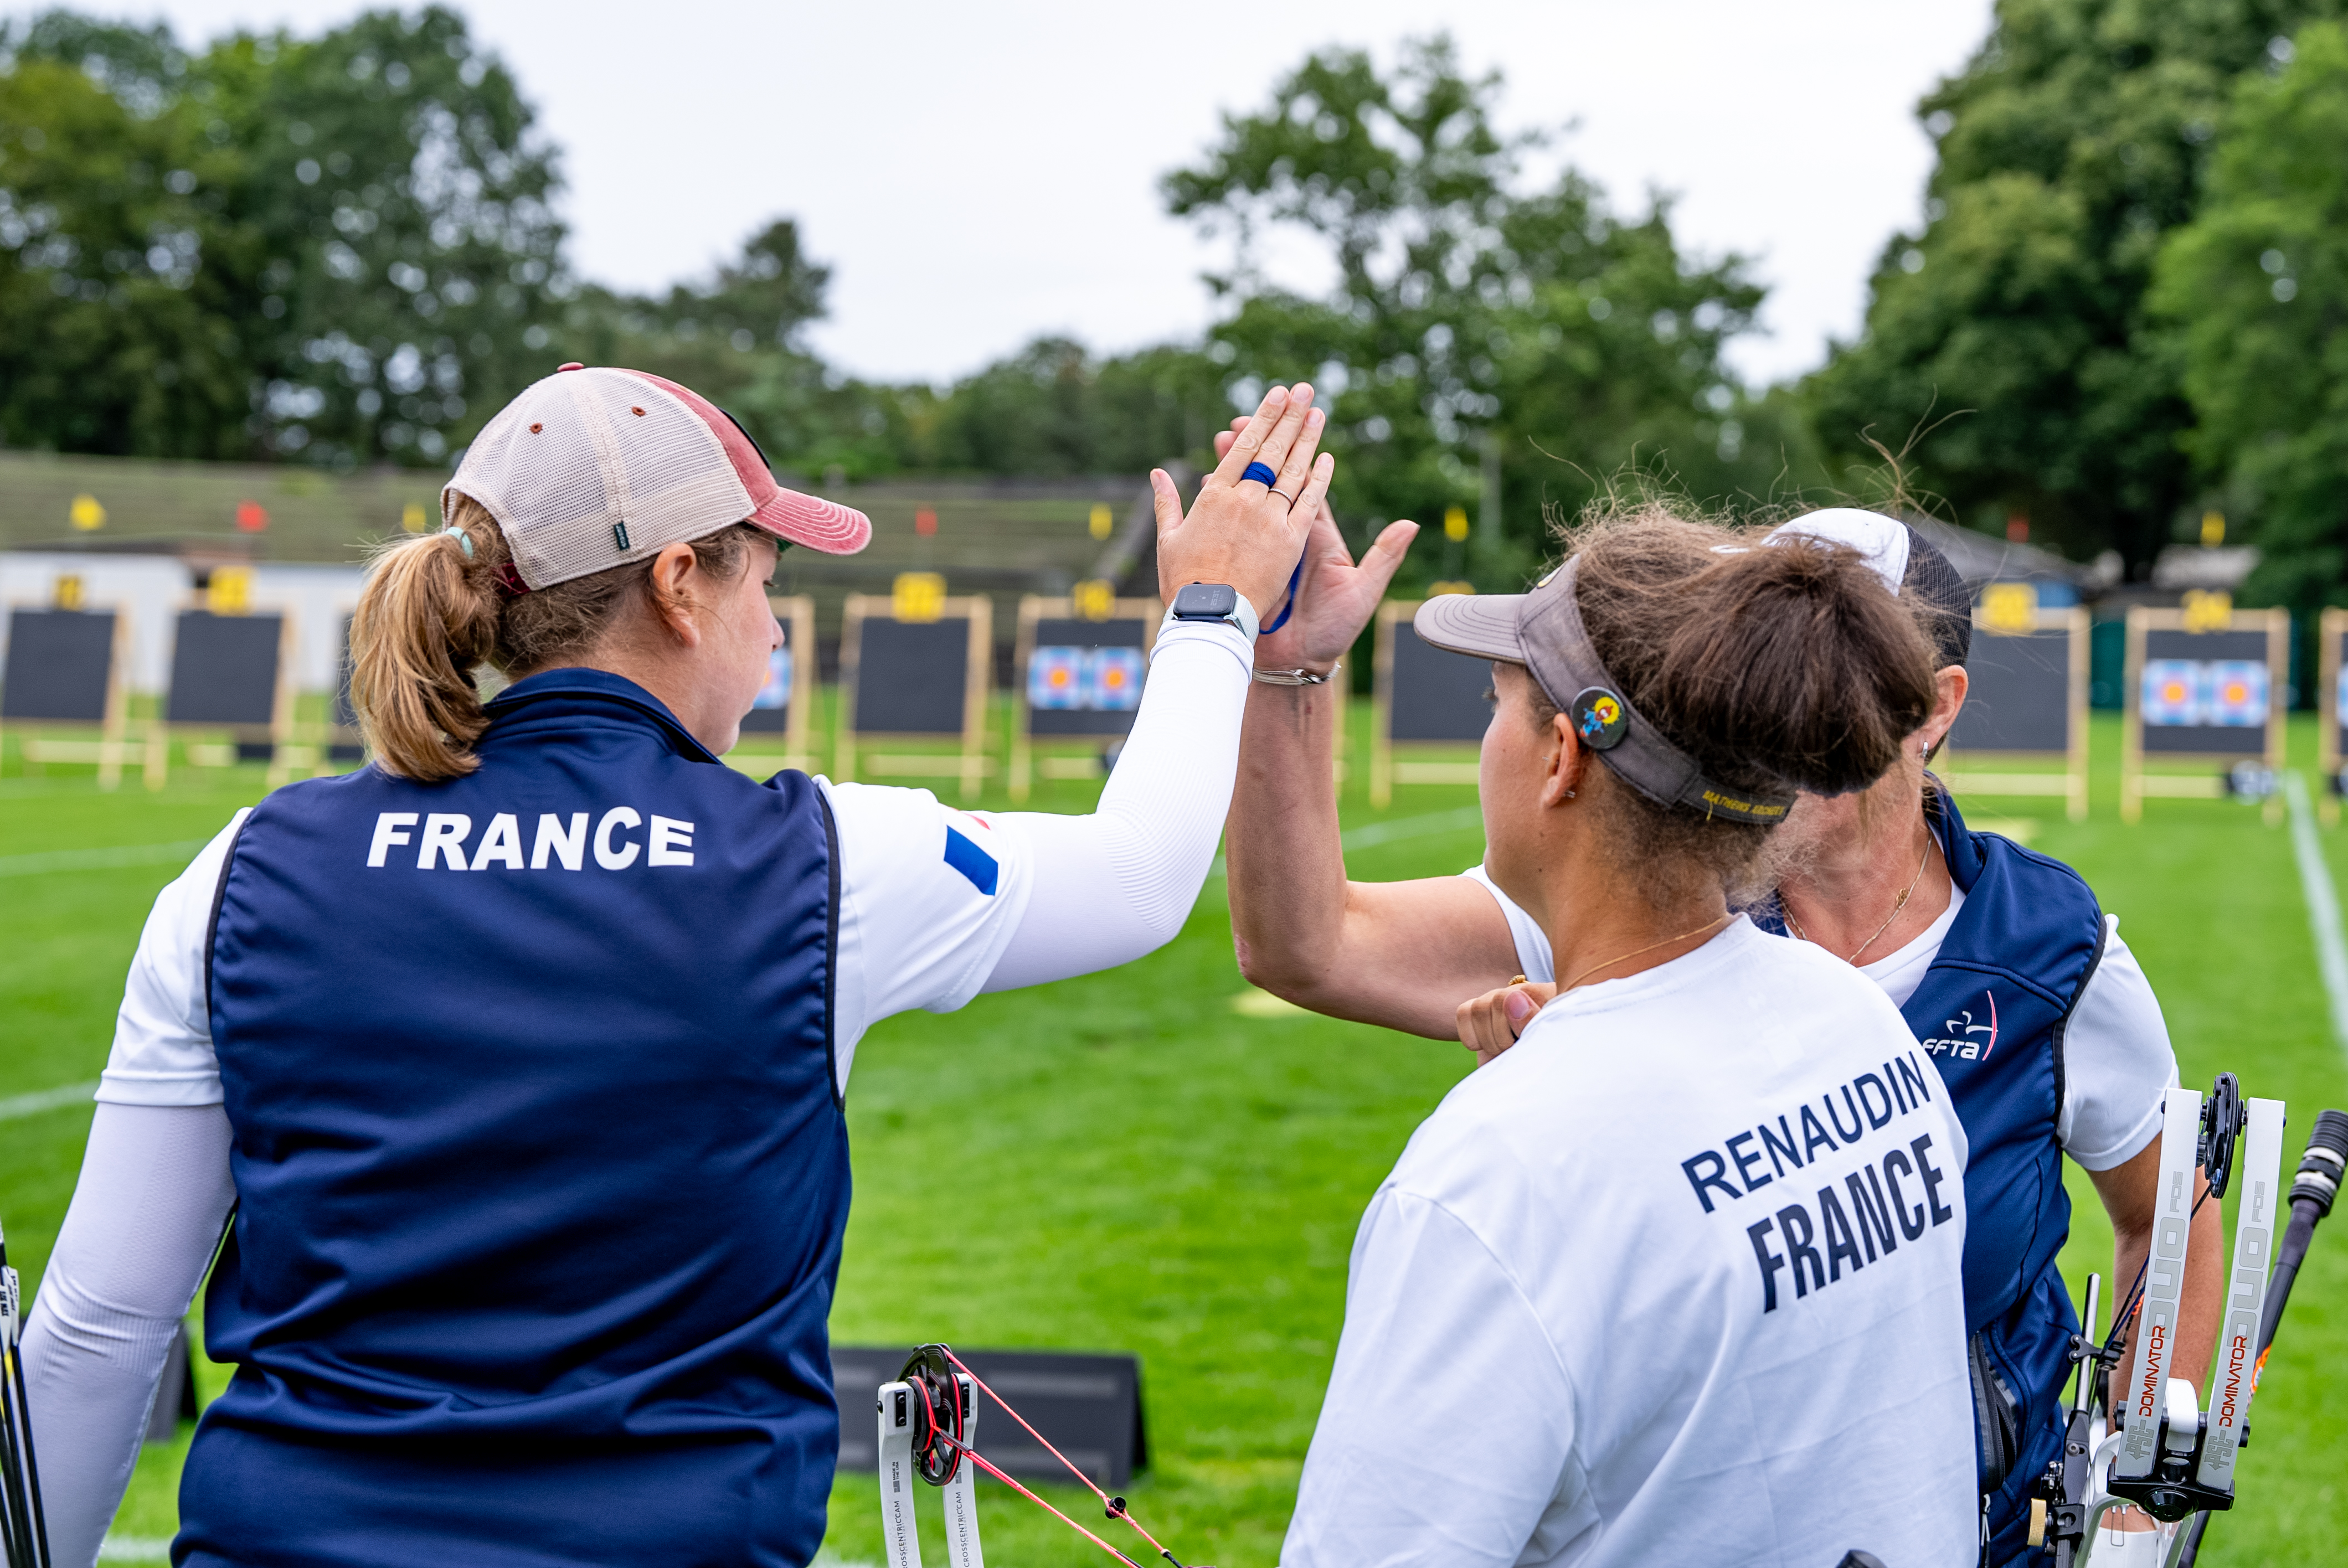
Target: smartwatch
[{"x": 1214, "y": 601}]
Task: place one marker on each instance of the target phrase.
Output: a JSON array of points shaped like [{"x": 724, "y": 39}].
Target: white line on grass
[
  {"x": 135, "y": 1549},
  {"x": 2323, "y": 904},
  {"x": 101, "y": 859},
  {"x": 18, "y": 1107}
]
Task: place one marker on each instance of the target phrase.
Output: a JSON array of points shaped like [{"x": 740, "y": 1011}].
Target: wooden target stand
[
  {"x": 785, "y": 713},
  {"x": 66, "y": 671},
  {"x": 232, "y": 670},
  {"x": 1426, "y": 702},
  {"x": 2206, "y": 628},
  {"x": 913, "y": 667},
  {"x": 1093, "y": 618},
  {"x": 2331, "y": 631},
  {"x": 2028, "y": 701}
]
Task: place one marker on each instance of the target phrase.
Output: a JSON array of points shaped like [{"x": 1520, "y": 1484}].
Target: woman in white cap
[
  {"x": 2010, "y": 976},
  {"x": 1678, "y": 1278},
  {"x": 513, "y": 1063}
]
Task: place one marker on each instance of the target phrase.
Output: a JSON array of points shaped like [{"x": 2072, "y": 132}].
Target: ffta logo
[{"x": 1963, "y": 1040}]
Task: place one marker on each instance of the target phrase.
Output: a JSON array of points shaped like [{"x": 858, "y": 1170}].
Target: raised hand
[
  {"x": 1240, "y": 530},
  {"x": 1490, "y": 1023},
  {"x": 1336, "y": 597}
]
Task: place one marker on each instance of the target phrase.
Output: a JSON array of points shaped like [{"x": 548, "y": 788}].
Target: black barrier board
[
  {"x": 60, "y": 666},
  {"x": 2018, "y": 697},
  {"x": 2207, "y": 658},
  {"x": 224, "y": 669},
  {"x": 1108, "y": 705},
  {"x": 786, "y": 668},
  {"x": 1088, "y": 1407},
  {"x": 1438, "y": 695},
  {"x": 912, "y": 676}
]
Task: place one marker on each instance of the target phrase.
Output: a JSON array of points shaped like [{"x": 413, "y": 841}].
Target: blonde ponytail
[
  {"x": 433, "y": 610},
  {"x": 428, "y": 615}
]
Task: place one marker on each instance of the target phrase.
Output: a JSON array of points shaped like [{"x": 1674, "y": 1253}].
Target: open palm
[{"x": 1336, "y": 598}]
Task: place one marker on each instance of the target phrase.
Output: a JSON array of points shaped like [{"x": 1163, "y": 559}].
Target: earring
[{"x": 1568, "y": 794}]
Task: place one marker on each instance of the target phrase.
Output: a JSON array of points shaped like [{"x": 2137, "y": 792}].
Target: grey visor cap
[{"x": 1542, "y": 630}]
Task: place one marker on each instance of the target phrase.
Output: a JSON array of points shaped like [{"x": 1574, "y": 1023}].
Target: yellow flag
[
  {"x": 2210, "y": 610},
  {"x": 919, "y": 596},
  {"x": 2009, "y": 609},
  {"x": 1455, "y": 524},
  {"x": 230, "y": 592},
  {"x": 1103, "y": 520},
  {"x": 87, "y": 514},
  {"x": 411, "y": 517},
  {"x": 1095, "y": 599}
]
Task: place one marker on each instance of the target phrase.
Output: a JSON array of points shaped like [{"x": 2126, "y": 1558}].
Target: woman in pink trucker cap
[{"x": 506, "y": 1071}]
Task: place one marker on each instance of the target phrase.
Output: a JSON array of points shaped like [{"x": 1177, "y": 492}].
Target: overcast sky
[{"x": 979, "y": 173}]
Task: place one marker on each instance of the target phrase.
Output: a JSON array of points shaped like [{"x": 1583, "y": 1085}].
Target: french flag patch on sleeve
[{"x": 965, "y": 856}]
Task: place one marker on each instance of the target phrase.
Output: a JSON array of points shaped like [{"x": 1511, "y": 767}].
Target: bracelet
[{"x": 1297, "y": 677}]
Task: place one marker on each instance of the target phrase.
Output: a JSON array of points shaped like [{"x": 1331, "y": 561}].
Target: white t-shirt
[
  {"x": 915, "y": 931},
  {"x": 1594, "y": 1317},
  {"x": 2116, "y": 1059}
]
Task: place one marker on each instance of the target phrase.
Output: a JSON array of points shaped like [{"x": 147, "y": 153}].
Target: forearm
[
  {"x": 2203, "y": 1309},
  {"x": 146, "y": 1214},
  {"x": 1113, "y": 886},
  {"x": 1282, "y": 852},
  {"x": 2201, "y": 1305}
]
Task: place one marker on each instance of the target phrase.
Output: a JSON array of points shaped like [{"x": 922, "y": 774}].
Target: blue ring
[{"x": 1261, "y": 473}]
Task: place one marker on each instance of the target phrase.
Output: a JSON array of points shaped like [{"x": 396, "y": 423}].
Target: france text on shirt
[
  {"x": 1886, "y": 1213},
  {"x": 560, "y": 841}
]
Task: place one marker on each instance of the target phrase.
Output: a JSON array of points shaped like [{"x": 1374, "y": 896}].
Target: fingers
[
  {"x": 1316, "y": 490},
  {"x": 1286, "y": 431},
  {"x": 1298, "y": 464},
  {"x": 1223, "y": 438},
  {"x": 1383, "y": 559},
  {"x": 1325, "y": 541},
  {"x": 1492, "y": 1023},
  {"x": 1166, "y": 500},
  {"x": 1250, "y": 438}
]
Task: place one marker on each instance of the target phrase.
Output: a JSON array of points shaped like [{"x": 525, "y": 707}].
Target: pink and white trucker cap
[{"x": 593, "y": 469}]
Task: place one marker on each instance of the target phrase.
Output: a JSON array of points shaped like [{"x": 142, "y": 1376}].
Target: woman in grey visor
[{"x": 1647, "y": 1287}]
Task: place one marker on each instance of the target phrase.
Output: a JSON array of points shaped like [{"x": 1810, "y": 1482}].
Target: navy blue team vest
[
  {"x": 1991, "y": 1011},
  {"x": 541, "y": 1171}
]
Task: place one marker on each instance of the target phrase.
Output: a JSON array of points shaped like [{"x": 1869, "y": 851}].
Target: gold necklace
[
  {"x": 1634, "y": 952},
  {"x": 1898, "y": 904}
]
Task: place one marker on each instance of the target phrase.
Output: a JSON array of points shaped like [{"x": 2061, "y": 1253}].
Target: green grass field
[{"x": 1126, "y": 1162}]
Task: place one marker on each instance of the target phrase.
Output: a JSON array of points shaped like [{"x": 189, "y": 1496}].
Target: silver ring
[{"x": 1286, "y": 496}]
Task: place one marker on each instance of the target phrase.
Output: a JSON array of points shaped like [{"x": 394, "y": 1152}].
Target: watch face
[{"x": 1206, "y": 601}]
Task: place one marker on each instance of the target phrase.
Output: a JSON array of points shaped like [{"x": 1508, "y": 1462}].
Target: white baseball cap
[{"x": 593, "y": 468}]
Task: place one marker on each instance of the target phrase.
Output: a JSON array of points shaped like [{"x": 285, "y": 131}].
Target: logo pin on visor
[{"x": 1600, "y": 719}]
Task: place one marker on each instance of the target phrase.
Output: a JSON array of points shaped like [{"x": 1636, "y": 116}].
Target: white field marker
[{"x": 2323, "y": 904}]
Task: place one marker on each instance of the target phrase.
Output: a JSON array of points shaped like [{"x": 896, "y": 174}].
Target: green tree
[
  {"x": 1055, "y": 408},
  {"x": 395, "y": 229},
  {"x": 339, "y": 249},
  {"x": 2258, "y": 284},
  {"x": 1470, "y": 320},
  {"x": 117, "y": 329},
  {"x": 2012, "y": 330}
]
